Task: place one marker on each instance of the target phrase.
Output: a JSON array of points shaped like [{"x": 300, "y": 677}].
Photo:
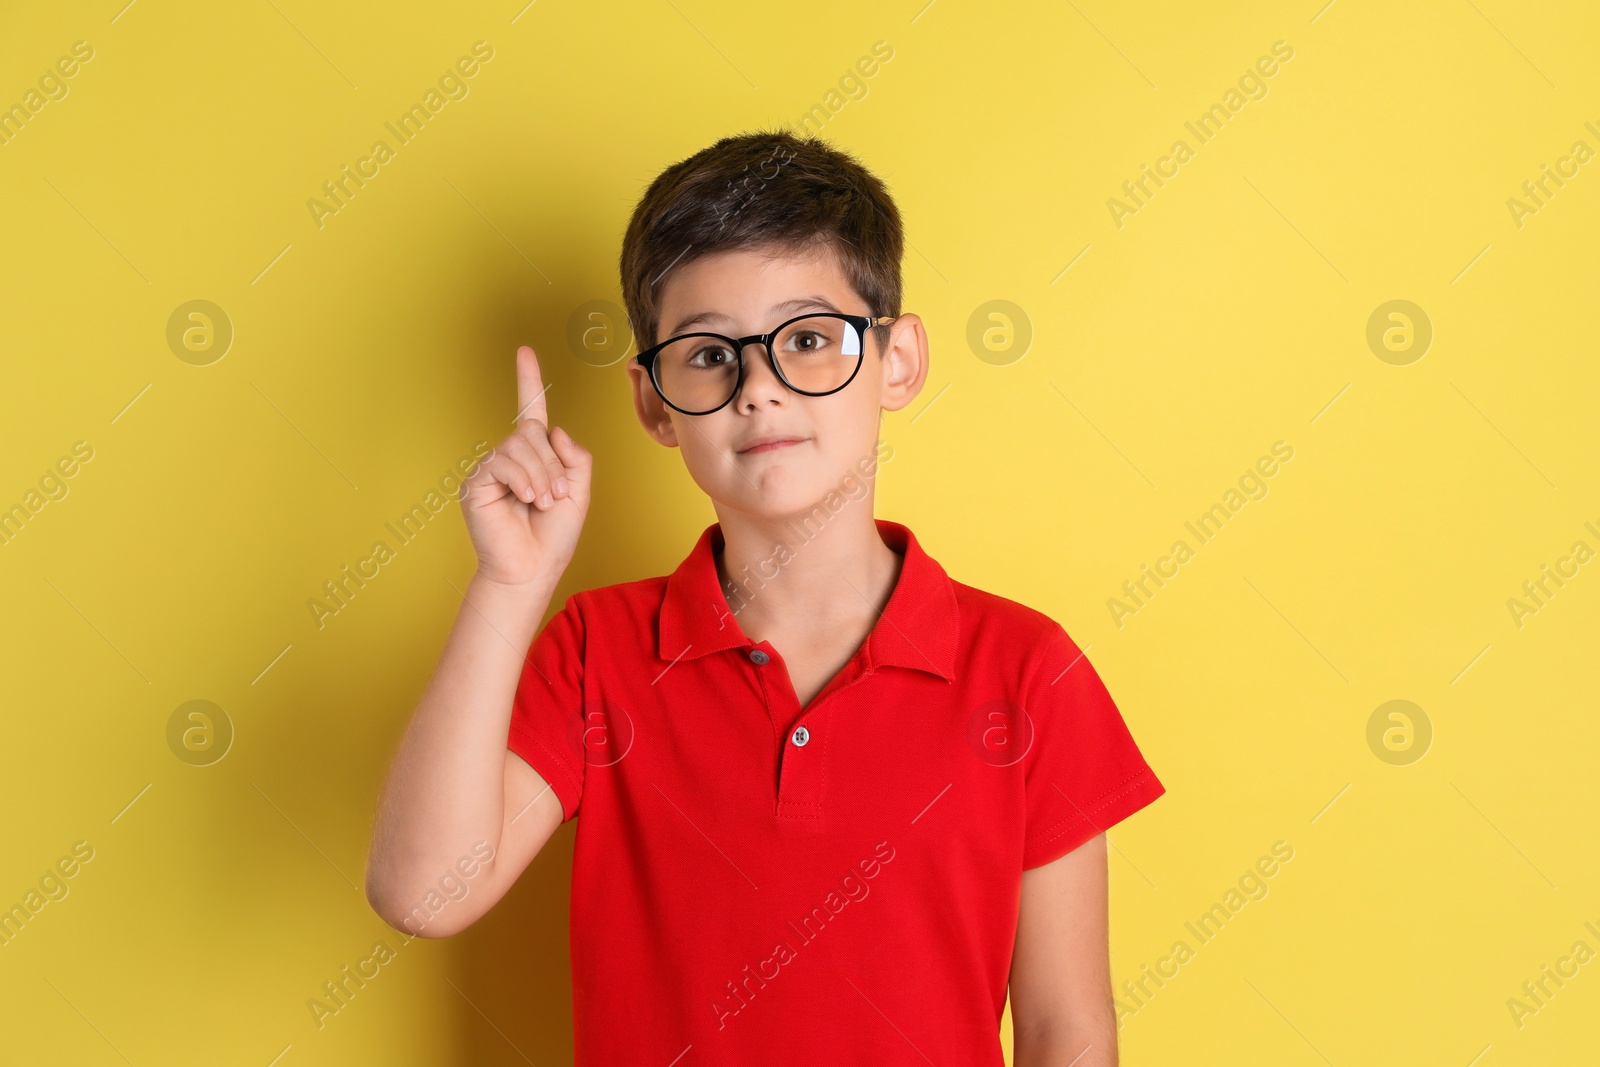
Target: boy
[{"x": 831, "y": 799}]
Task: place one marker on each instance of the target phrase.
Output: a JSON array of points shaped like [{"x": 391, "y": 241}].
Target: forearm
[{"x": 446, "y": 787}]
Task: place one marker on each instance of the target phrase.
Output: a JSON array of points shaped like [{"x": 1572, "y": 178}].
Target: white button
[
  {"x": 758, "y": 657},
  {"x": 801, "y": 736}
]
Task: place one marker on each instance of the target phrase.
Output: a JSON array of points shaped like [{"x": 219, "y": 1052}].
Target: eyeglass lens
[{"x": 816, "y": 354}]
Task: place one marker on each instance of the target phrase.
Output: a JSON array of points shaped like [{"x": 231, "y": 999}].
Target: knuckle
[
  {"x": 507, "y": 470},
  {"x": 525, "y": 451}
]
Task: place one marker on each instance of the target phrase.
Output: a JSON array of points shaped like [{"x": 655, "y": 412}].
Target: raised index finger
[{"x": 530, "y": 388}]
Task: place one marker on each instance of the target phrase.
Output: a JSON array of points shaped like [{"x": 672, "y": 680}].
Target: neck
[{"x": 797, "y": 576}]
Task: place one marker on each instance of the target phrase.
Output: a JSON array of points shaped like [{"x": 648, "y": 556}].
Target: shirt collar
[{"x": 918, "y": 627}]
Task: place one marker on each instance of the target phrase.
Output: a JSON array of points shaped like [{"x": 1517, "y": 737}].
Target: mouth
[{"x": 770, "y": 444}]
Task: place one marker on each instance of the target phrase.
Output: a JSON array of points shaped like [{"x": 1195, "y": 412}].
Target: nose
[{"x": 761, "y": 383}]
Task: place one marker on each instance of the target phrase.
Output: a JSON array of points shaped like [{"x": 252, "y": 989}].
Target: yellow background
[{"x": 1229, "y": 313}]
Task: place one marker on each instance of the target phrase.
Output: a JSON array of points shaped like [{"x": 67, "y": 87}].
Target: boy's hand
[{"x": 524, "y": 505}]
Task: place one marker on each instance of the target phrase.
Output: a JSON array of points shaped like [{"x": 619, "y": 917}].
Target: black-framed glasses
[{"x": 813, "y": 355}]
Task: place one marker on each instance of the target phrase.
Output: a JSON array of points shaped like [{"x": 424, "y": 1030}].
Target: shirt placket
[{"x": 803, "y": 737}]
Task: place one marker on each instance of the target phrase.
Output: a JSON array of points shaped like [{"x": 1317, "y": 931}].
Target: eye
[
  {"x": 808, "y": 341},
  {"x": 711, "y": 356}
]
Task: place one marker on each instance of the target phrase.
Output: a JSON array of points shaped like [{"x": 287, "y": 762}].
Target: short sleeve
[
  {"x": 547, "y": 708},
  {"x": 1083, "y": 771}
]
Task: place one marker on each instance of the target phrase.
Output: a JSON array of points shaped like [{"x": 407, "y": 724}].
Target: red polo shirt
[{"x": 756, "y": 882}]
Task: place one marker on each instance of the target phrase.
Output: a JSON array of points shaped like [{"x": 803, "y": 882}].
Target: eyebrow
[{"x": 800, "y": 303}]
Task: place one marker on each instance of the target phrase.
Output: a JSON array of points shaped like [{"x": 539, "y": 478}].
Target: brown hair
[{"x": 766, "y": 188}]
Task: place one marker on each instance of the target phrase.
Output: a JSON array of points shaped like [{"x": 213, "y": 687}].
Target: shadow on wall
[{"x": 512, "y": 1004}]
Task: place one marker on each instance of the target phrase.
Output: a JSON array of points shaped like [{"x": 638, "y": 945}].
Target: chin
[{"x": 780, "y": 498}]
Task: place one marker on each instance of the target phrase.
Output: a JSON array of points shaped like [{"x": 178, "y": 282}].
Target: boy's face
[{"x": 741, "y": 292}]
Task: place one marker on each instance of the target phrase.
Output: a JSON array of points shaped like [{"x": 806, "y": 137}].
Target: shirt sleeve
[
  {"x": 1083, "y": 771},
  {"x": 547, "y": 708}
]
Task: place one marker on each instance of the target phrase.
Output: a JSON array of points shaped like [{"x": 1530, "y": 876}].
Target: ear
[
  {"x": 904, "y": 363},
  {"x": 648, "y": 406}
]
